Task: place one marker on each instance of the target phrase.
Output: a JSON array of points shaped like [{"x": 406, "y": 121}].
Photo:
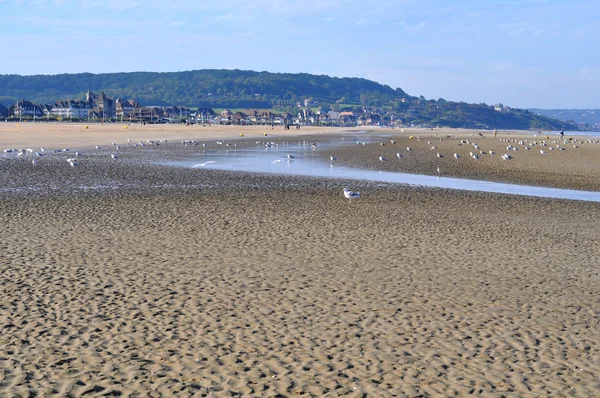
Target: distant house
[
  {"x": 69, "y": 109},
  {"x": 25, "y": 108},
  {"x": 254, "y": 116},
  {"x": 101, "y": 104},
  {"x": 373, "y": 120},
  {"x": 501, "y": 108},
  {"x": 125, "y": 108},
  {"x": 333, "y": 115},
  {"x": 348, "y": 119},
  {"x": 206, "y": 113}
]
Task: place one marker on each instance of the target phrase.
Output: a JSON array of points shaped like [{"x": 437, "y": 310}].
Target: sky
[{"x": 521, "y": 53}]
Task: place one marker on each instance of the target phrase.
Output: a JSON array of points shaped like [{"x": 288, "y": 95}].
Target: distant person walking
[{"x": 562, "y": 133}]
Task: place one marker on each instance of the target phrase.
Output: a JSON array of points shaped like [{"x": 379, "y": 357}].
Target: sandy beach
[{"x": 122, "y": 277}]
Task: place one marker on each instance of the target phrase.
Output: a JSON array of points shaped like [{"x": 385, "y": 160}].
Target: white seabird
[
  {"x": 351, "y": 194},
  {"x": 202, "y": 164}
]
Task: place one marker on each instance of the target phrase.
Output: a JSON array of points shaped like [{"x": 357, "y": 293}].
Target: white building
[{"x": 71, "y": 109}]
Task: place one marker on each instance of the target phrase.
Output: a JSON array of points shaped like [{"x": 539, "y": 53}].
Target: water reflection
[{"x": 304, "y": 163}]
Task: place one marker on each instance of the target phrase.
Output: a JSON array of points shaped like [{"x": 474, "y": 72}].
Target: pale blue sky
[{"x": 522, "y": 53}]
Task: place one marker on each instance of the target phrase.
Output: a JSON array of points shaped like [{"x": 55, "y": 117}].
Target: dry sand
[
  {"x": 205, "y": 283},
  {"x": 70, "y": 134}
]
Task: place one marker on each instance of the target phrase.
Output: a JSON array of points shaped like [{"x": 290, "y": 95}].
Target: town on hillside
[{"x": 101, "y": 108}]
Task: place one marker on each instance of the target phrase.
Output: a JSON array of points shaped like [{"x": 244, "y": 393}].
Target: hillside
[
  {"x": 194, "y": 88},
  {"x": 280, "y": 91},
  {"x": 589, "y": 116}
]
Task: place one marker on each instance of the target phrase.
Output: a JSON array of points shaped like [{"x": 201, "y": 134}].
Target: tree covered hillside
[
  {"x": 283, "y": 92},
  {"x": 228, "y": 88}
]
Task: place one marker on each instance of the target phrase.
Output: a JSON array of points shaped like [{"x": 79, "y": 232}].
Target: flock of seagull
[
  {"x": 35, "y": 156},
  {"x": 513, "y": 145}
]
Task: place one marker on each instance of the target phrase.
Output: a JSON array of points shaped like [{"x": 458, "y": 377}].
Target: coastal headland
[{"x": 126, "y": 277}]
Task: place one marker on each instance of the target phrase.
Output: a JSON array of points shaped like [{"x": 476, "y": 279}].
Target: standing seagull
[
  {"x": 382, "y": 159},
  {"x": 351, "y": 194}
]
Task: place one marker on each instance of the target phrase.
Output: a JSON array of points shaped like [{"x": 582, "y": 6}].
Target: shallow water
[{"x": 304, "y": 163}]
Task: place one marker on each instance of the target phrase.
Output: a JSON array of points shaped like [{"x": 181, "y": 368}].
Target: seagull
[
  {"x": 408, "y": 148},
  {"x": 456, "y": 156},
  {"x": 332, "y": 158},
  {"x": 97, "y": 147},
  {"x": 290, "y": 156},
  {"x": 506, "y": 156},
  {"x": 393, "y": 142},
  {"x": 439, "y": 155},
  {"x": 382, "y": 159},
  {"x": 112, "y": 155},
  {"x": 542, "y": 151},
  {"x": 205, "y": 163},
  {"x": 351, "y": 194},
  {"x": 399, "y": 155}
]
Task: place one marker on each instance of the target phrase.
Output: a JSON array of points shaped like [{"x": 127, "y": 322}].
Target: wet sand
[{"x": 154, "y": 280}]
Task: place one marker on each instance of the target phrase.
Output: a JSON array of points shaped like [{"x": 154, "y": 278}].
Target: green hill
[
  {"x": 193, "y": 88},
  {"x": 280, "y": 91}
]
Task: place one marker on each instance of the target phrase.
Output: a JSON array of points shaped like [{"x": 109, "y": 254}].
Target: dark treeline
[
  {"x": 192, "y": 88},
  {"x": 279, "y": 91}
]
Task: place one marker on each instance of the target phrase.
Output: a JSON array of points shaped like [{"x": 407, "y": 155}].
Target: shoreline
[
  {"x": 22, "y": 135},
  {"x": 573, "y": 168}
]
